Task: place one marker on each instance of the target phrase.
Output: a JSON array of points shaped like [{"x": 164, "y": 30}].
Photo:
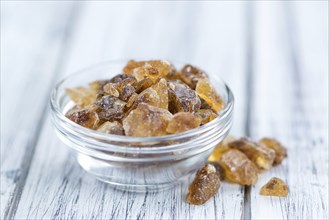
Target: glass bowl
[{"x": 137, "y": 163}]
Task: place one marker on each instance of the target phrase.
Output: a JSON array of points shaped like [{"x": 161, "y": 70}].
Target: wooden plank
[
  {"x": 32, "y": 40},
  {"x": 57, "y": 188},
  {"x": 291, "y": 71}
]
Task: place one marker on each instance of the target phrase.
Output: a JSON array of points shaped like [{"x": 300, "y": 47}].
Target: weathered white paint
[{"x": 254, "y": 56}]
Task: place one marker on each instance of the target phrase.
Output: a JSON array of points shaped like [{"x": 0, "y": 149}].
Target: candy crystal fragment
[
  {"x": 191, "y": 75},
  {"x": 85, "y": 117},
  {"x": 208, "y": 93},
  {"x": 274, "y": 187},
  {"x": 204, "y": 186},
  {"x": 206, "y": 115},
  {"x": 182, "y": 98},
  {"x": 280, "y": 151},
  {"x": 111, "y": 128},
  {"x": 238, "y": 168},
  {"x": 146, "y": 120},
  {"x": 183, "y": 121},
  {"x": 110, "y": 108},
  {"x": 262, "y": 156}
]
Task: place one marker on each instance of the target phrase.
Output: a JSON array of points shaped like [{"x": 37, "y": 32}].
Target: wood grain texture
[
  {"x": 292, "y": 105},
  {"x": 32, "y": 43},
  {"x": 272, "y": 55}
]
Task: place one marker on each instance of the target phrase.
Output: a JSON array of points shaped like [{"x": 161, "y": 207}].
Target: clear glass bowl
[{"x": 137, "y": 163}]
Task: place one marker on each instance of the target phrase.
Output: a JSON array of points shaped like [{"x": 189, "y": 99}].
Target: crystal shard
[
  {"x": 85, "y": 117},
  {"x": 280, "y": 151},
  {"x": 183, "y": 121},
  {"x": 204, "y": 186},
  {"x": 111, "y": 128},
  {"x": 238, "y": 168},
  {"x": 206, "y": 115},
  {"x": 146, "y": 120},
  {"x": 110, "y": 108},
  {"x": 262, "y": 156},
  {"x": 208, "y": 93},
  {"x": 182, "y": 98},
  {"x": 191, "y": 75},
  {"x": 274, "y": 187},
  {"x": 221, "y": 148}
]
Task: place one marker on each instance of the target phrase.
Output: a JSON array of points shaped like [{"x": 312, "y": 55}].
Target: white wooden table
[{"x": 274, "y": 56}]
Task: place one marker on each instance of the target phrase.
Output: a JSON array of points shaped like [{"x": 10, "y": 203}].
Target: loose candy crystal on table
[
  {"x": 274, "y": 187},
  {"x": 280, "y": 151},
  {"x": 238, "y": 168},
  {"x": 220, "y": 149},
  {"x": 204, "y": 186},
  {"x": 183, "y": 121},
  {"x": 262, "y": 156}
]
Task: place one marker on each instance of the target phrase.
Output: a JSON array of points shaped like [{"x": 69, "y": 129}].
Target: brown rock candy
[
  {"x": 146, "y": 120},
  {"x": 82, "y": 96},
  {"x": 111, "y": 89},
  {"x": 221, "y": 148},
  {"x": 204, "y": 186},
  {"x": 148, "y": 96},
  {"x": 110, "y": 108},
  {"x": 274, "y": 187},
  {"x": 182, "y": 98},
  {"x": 140, "y": 86},
  {"x": 183, "y": 121},
  {"x": 85, "y": 117},
  {"x": 206, "y": 115},
  {"x": 162, "y": 91},
  {"x": 208, "y": 93},
  {"x": 111, "y": 128},
  {"x": 153, "y": 69},
  {"x": 280, "y": 151},
  {"x": 238, "y": 168},
  {"x": 126, "y": 92},
  {"x": 191, "y": 75},
  {"x": 262, "y": 156}
]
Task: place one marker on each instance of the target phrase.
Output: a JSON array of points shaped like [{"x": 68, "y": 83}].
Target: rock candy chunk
[
  {"x": 146, "y": 120},
  {"x": 82, "y": 96},
  {"x": 111, "y": 89},
  {"x": 191, "y": 75},
  {"x": 110, "y": 108},
  {"x": 85, "y": 117},
  {"x": 182, "y": 98},
  {"x": 140, "y": 86},
  {"x": 153, "y": 69},
  {"x": 206, "y": 115},
  {"x": 238, "y": 168},
  {"x": 280, "y": 151},
  {"x": 274, "y": 187},
  {"x": 221, "y": 148},
  {"x": 204, "y": 186},
  {"x": 148, "y": 96},
  {"x": 262, "y": 156},
  {"x": 208, "y": 93},
  {"x": 111, "y": 128},
  {"x": 162, "y": 91},
  {"x": 183, "y": 121},
  {"x": 126, "y": 92}
]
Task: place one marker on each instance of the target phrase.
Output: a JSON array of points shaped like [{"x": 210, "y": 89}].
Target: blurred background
[{"x": 273, "y": 55}]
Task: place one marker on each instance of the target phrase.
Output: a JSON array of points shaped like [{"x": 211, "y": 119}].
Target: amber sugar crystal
[
  {"x": 208, "y": 93},
  {"x": 280, "y": 151},
  {"x": 220, "y": 149},
  {"x": 146, "y": 120},
  {"x": 274, "y": 187},
  {"x": 183, "y": 121},
  {"x": 111, "y": 128},
  {"x": 190, "y": 75},
  {"x": 238, "y": 168},
  {"x": 85, "y": 117},
  {"x": 262, "y": 156},
  {"x": 204, "y": 186}
]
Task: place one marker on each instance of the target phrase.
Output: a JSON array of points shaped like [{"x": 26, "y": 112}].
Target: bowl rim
[{"x": 228, "y": 108}]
